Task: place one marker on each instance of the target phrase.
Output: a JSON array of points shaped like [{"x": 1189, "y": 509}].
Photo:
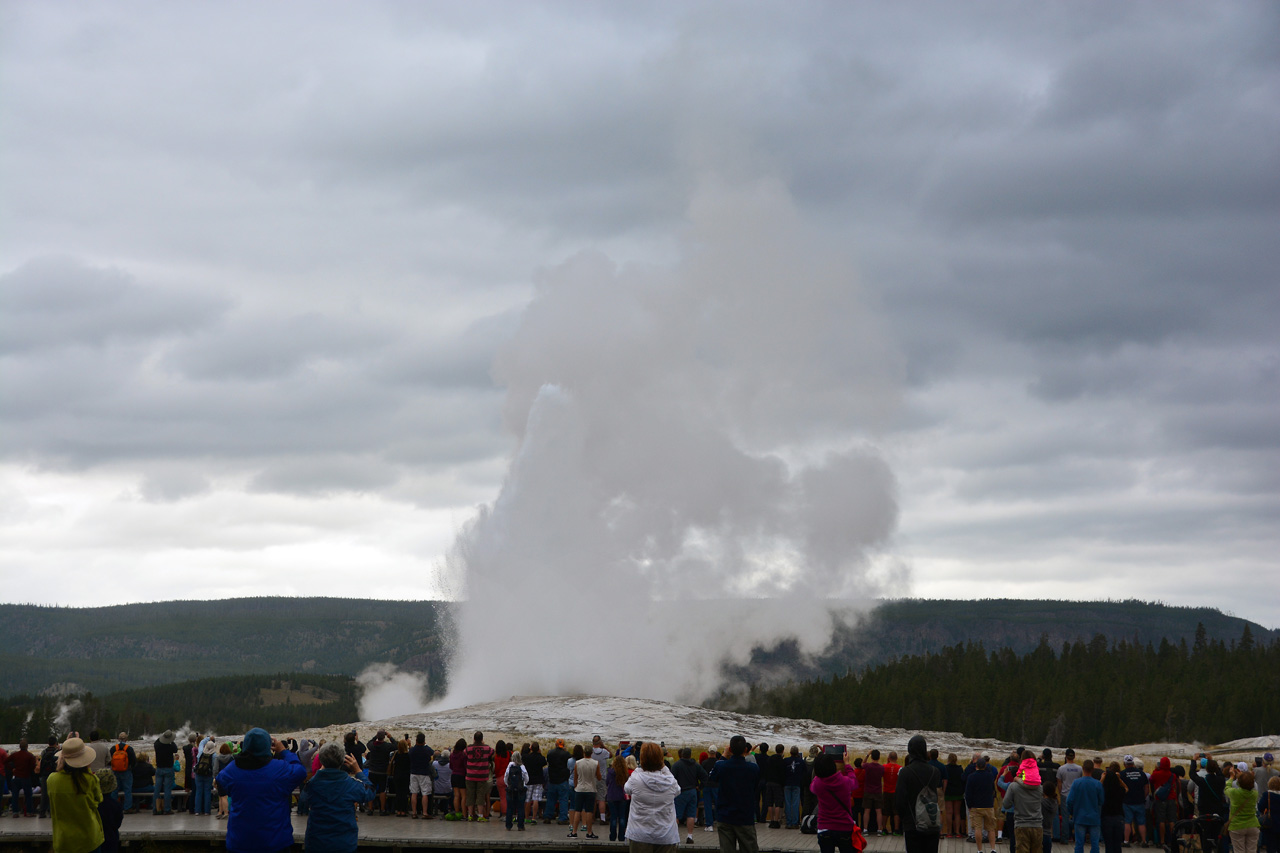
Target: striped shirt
[{"x": 479, "y": 757}]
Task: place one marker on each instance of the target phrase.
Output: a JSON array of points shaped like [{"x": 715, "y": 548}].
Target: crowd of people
[{"x": 642, "y": 792}]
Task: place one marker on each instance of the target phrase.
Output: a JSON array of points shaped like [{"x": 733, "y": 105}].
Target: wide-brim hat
[
  {"x": 122, "y": 736},
  {"x": 75, "y": 754},
  {"x": 209, "y": 748},
  {"x": 166, "y": 738}
]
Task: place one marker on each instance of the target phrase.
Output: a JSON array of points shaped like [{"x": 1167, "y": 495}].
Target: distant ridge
[{"x": 107, "y": 649}]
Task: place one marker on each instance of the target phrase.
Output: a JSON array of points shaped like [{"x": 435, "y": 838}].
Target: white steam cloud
[
  {"x": 62, "y": 720},
  {"x": 691, "y": 442},
  {"x": 386, "y": 692}
]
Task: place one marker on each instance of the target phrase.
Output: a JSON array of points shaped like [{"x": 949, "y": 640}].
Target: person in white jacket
[{"x": 651, "y": 826}]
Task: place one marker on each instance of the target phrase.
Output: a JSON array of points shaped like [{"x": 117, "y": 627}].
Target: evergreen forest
[
  {"x": 229, "y": 705},
  {"x": 1097, "y": 693}
]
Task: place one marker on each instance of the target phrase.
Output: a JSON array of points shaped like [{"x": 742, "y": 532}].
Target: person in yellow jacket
[{"x": 74, "y": 794}]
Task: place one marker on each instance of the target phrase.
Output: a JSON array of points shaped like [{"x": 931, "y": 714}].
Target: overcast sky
[{"x": 264, "y": 272}]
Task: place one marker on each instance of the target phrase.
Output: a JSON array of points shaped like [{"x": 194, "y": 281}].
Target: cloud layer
[{"x": 264, "y": 269}]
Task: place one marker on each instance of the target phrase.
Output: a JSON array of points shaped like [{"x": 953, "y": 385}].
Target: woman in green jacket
[
  {"x": 74, "y": 795},
  {"x": 1243, "y": 824}
]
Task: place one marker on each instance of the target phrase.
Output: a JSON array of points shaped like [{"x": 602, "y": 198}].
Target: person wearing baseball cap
[
  {"x": 1137, "y": 785},
  {"x": 74, "y": 795}
]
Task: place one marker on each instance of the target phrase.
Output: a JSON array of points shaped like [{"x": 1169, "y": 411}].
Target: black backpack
[{"x": 515, "y": 779}]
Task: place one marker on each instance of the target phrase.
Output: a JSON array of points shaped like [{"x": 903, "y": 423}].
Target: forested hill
[
  {"x": 1096, "y": 693},
  {"x": 107, "y": 649}
]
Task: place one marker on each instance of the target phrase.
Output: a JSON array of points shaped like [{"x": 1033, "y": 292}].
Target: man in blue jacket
[
  {"x": 334, "y": 791},
  {"x": 736, "y": 798},
  {"x": 1084, "y": 804},
  {"x": 261, "y": 792}
]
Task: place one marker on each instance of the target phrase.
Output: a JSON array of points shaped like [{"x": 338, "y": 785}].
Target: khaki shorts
[
  {"x": 419, "y": 784},
  {"x": 978, "y": 818},
  {"x": 477, "y": 792}
]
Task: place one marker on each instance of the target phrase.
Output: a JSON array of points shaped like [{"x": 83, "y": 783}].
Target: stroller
[{"x": 1207, "y": 828}]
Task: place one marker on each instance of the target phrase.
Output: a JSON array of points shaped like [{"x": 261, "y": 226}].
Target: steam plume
[{"x": 686, "y": 436}]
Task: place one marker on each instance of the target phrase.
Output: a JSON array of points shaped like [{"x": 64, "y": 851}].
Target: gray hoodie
[{"x": 1025, "y": 800}]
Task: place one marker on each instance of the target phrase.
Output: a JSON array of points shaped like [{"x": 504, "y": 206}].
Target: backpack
[
  {"x": 809, "y": 824},
  {"x": 204, "y": 767},
  {"x": 927, "y": 819},
  {"x": 1162, "y": 793},
  {"x": 119, "y": 758},
  {"x": 515, "y": 779}
]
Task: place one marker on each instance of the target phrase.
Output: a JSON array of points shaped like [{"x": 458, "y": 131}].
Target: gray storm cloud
[{"x": 690, "y": 441}]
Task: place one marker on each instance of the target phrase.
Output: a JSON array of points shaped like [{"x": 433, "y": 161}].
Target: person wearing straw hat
[{"x": 74, "y": 794}]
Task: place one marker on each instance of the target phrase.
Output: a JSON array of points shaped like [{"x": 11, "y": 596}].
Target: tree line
[
  {"x": 1099, "y": 693},
  {"x": 230, "y": 704}
]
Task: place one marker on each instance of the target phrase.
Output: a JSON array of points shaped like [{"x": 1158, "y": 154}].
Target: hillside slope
[{"x": 106, "y": 649}]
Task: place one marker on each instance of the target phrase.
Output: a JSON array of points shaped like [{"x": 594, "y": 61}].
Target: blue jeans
[
  {"x": 124, "y": 788},
  {"x": 559, "y": 797},
  {"x": 1093, "y": 832},
  {"x": 21, "y": 786},
  {"x": 791, "y": 798},
  {"x": 515, "y": 806},
  {"x": 709, "y": 806},
  {"x": 618, "y": 812},
  {"x": 204, "y": 795},
  {"x": 164, "y": 789}
]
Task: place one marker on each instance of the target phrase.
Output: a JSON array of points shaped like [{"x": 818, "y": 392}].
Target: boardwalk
[{"x": 437, "y": 834}]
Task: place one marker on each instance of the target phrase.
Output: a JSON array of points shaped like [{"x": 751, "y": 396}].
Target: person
[
  {"x": 1113, "y": 791},
  {"x": 709, "y": 790},
  {"x": 873, "y": 791},
  {"x": 222, "y": 760},
  {"x": 74, "y": 793},
  {"x": 442, "y": 785},
  {"x": 1164, "y": 792},
  {"x": 953, "y": 801},
  {"x": 333, "y": 793},
  {"x": 689, "y": 775},
  {"x": 1243, "y": 825},
  {"x": 516, "y": 780},
  {"x": 1048, "y": 808},
  {"x": 651, "y": 824},
  {"x": 458, "y": 778},
  {"x": 602, "y": 756},
  {"x": 479, "y": 758},
  {"x": 261, "y": 791},
  {"x": 1067, "y": 774},
  {"x": 24, "y": 765},
  {"x": 795, "y": 777},
  {"x": 378, "y": 761},
  {"x": 110, "y": 811},
  {"x": 1270, "y": 807},
  {"x": 48, "y": 766},
  {"x": 203, "y": 775},
  {"x": 1085, "y": 806},
  {"x": 534, "y": 764},
  {"x": 833, "y": 792},
  {"x": 775, "y": 777},
  {"x": 980, "y": 799},
  {"x": 190, "y": 757},
  {"x": 585, "y": 772},
  {"x": 399, "y": 772},
  {"x": 420, "y": 773},
  {"x": 121, "y": 760},
  {"x": 738, "y": 781},
  {"x": 889, "y": 790},
  {"x": 501, "y": 758},
  {"x": 559, "y": 790},
  {"x": 166, "y": 752},
  {"x": 1026, "y": 799},
  {"x": 918, "y": 776},
  {"x": 619, "y": 805},
  {"x": 144, "y": 777},
  {"x": 1137, "y": 787}
]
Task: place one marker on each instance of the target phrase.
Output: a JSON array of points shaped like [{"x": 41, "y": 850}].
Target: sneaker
[
  {"x": 708, "y": 829},
  {"x": 519, "y": 829},
  {"x": 573, "y": 835},
  {"x": 592, "y": 835},
  {"x": 773, "y": 824},
  {"x": 482, "y": 819}
]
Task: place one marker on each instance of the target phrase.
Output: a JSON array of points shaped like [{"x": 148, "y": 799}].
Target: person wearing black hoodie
[{"x": 914, "y": 778}]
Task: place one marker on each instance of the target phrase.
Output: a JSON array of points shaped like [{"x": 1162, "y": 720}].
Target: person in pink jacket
[{"x": 835, "y": 792}]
